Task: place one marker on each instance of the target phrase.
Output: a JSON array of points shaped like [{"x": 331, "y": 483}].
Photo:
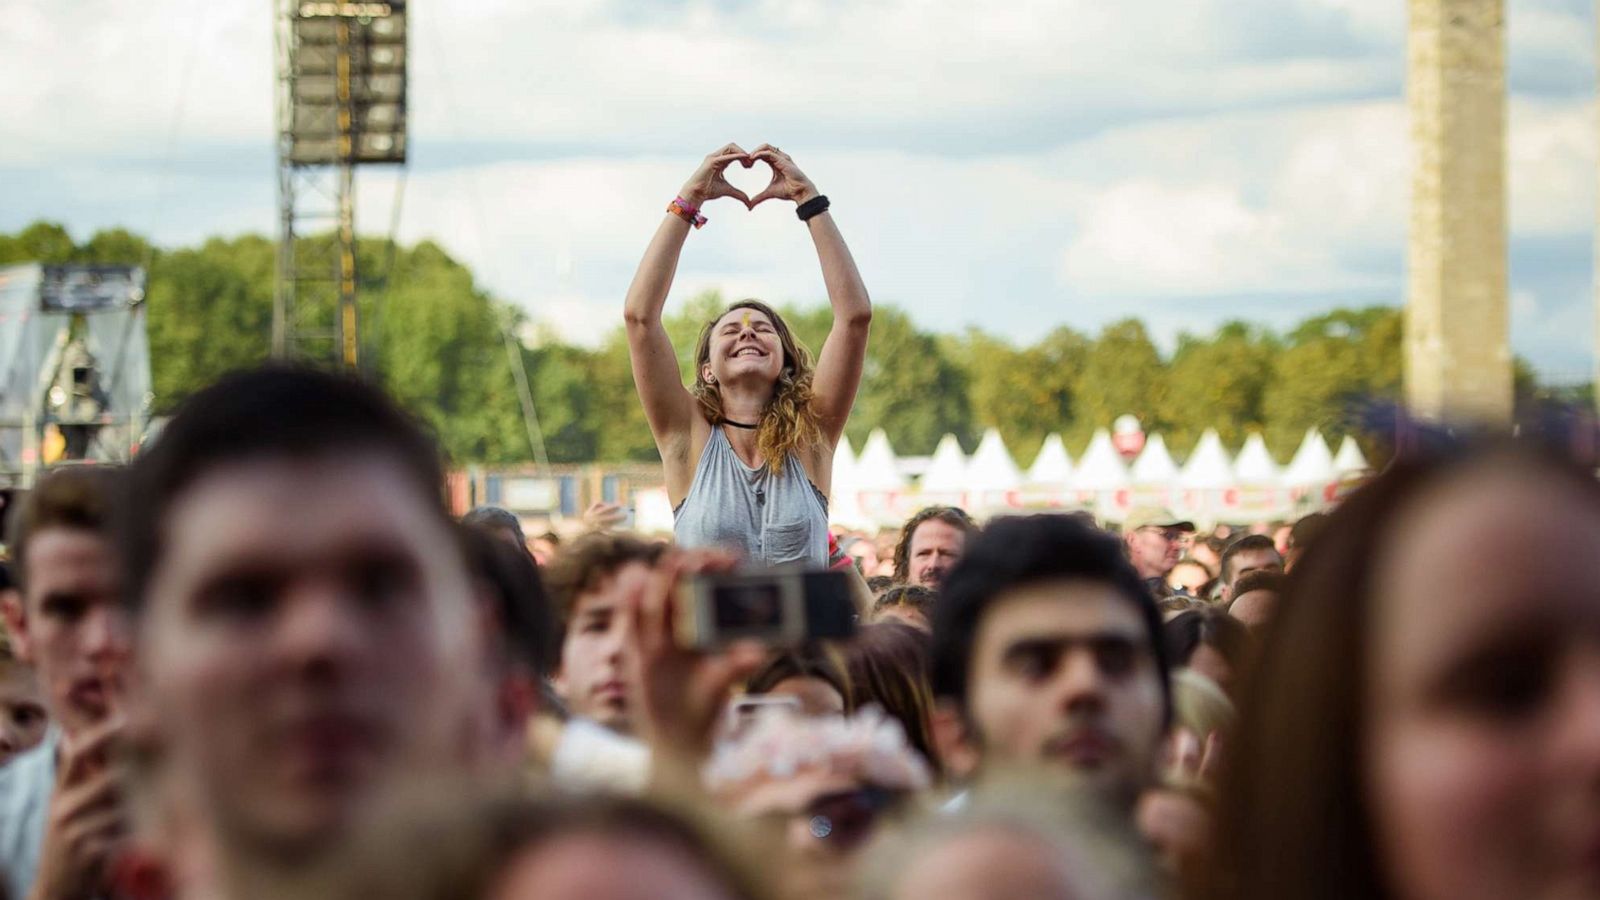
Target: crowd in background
[{"x": 263, "y": 662}]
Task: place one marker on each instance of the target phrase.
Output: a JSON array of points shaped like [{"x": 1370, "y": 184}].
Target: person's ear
[
  {"x": 16, "y": 621},
  {"x": 706, "y": 376}
]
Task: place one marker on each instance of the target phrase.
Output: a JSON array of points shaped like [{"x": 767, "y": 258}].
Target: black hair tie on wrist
[{"x": 816, "y": 206}]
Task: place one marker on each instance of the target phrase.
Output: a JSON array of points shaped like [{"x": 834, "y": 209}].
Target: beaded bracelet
[{"x": 686, "y": 211}]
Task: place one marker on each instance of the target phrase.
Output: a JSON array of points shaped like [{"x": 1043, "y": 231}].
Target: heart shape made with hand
[{"x": 753, "y": 180}]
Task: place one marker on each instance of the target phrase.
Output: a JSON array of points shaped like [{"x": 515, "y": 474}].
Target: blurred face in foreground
[
  {"x": 1254, "y": 609},
  {"x": 606, "y": 867},
  {"x": 822, "y": 818},
  {"x": 1063, "y": 674},
  {"x": 1483, "y": 691},
  {"x": 997, "y": 864},
  {"x": 307, "y": 644}
]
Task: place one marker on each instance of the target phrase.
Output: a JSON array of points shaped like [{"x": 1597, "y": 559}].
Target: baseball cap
[{"x": 1154, "y": 516}]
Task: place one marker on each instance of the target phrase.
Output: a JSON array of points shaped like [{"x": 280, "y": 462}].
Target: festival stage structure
[
  {"x": 341, "y": 105},
  {"x": 74, "y": 367}
]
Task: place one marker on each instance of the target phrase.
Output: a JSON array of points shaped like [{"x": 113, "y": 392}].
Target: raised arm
[
  {"x": 844, "y": 353},
  {"x": 668, "y": 406}
]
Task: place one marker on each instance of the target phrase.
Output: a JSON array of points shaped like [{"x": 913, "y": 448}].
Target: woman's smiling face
[{"x": 744, "y": 344}]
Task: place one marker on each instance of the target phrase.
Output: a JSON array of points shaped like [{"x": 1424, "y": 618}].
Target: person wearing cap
[{"x": 1154, "y": 538}]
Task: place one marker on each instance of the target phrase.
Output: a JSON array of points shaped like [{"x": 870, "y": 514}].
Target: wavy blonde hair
[{"x": 788, "y": 423}]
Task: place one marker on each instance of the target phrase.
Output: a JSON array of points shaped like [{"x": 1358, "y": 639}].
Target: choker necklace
[{"x": 741, "y": 425}]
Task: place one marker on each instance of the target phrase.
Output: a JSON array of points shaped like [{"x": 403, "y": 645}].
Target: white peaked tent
[
  {"x": 1254, "y": 465},
  {"x": 844, "y": 461},
  {"x": 992, "y": 468},
  {"x": 947, "y": 471},
  {"x": 1154, "y": 465},
  {"x": 1100, "y": 468},
  {"x": 844, "y": 503},
  {"x": 875, "y": 468},
  {"x": 1349, "y": 460},
  {"x": 1208, "y": 466},
  {"x": 1052, "y": 466},
  {"x": 1312, "y": 463}
]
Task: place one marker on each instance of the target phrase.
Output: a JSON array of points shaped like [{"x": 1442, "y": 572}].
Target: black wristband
[{"x": 816, "y": 206}]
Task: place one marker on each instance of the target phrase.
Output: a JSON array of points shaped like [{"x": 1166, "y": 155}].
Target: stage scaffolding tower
[{"x": 341, "y": 104}]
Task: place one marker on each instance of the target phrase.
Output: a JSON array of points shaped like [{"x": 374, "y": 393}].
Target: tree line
[{"x": 436, "y": 340}]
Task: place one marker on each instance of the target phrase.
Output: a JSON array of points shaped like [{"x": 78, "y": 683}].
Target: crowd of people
[{"x": 263, "y": 661}]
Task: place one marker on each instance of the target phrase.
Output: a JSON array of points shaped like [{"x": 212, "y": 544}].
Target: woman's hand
[
  {"x": 788, "y": 182},
  {"x": 707, "y": 183}
]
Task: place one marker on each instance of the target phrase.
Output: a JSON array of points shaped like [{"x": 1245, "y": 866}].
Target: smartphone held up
[{"x": 777, "y": 607}]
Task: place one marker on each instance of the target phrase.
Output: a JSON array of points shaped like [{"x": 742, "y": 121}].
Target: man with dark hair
[
  {"x": 1256, "y": 597},
  {"x": 306, "y": 632},
  {"x": 1154, "y": 538},
  {"x": 61, "y": 816},
  {"x": 1251, "y": 553},
  {"x": 930, "y": 544},
  {"x": 595, "y": 674},
  {"x": 1049, "y": 645}
]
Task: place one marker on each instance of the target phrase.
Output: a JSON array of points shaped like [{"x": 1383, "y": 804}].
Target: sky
[{"x": 1012, "y": 166}]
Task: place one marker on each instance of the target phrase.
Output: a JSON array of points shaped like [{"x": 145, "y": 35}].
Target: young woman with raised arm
[{"x": 748, "y": 449}]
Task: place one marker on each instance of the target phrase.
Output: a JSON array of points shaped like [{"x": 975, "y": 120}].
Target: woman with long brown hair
[
  {"x": 1424, "y": 722},
  {"x": 748, "y": 450}
]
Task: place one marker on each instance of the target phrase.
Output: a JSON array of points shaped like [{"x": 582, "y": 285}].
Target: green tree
[
  {"x": 1332, "y": 365},
  {"x": 1026, "y": 392},
  {"x": 559, "y": 377},
  {"x": 115, "y": 246},
  {"x": 1122, "y": 373},
  {"x": 442, "y": 354},
  {"x": 1217, "y": 382},
  {"x": 623, "y": 433},
  {"x": 210, "y": 311},
  {"x": 43, "y": 242},
  {"x": 909, "y": 388}
]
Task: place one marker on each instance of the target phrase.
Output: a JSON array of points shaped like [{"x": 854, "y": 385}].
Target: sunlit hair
[
  {"x": 788, "y": 423},
  {"x": 888, "y": 665}
]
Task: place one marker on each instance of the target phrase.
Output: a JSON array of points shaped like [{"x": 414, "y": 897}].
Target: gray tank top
[{"x": 772, "y": 519}]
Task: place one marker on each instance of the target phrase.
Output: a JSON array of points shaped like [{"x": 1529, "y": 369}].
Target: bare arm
[
  {"x": 668, "y": 407},
  {"x": 844, "y": 353}
]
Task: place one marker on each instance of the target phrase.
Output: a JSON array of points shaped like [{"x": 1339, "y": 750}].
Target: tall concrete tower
[{"x": 1458, "y": 355}]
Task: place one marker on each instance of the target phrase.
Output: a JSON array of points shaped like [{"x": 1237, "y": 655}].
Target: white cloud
[
  {"x": 1147, "y": 239},
  {"x": 1012, "y": 165},
  {"x": 1245, "y": 204},
  {"x": 1551, "y": 166}
]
